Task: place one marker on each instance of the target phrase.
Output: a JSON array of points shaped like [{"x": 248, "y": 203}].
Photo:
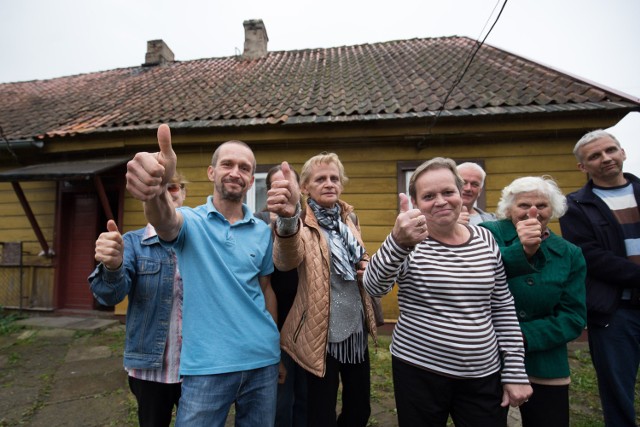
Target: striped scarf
[{"x": 346, "y": 252}]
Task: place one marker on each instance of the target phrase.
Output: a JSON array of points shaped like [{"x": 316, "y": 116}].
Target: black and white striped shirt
[{"x": 457, "y": 316}]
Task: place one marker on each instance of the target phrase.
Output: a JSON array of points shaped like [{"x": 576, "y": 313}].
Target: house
[{"x": 383, "y": 107}]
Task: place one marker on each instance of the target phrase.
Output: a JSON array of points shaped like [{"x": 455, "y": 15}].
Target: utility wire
[{"x": 468, "y": 62}]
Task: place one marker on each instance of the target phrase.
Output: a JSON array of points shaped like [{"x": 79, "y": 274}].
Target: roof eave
[{"x": 494, "y": 112}]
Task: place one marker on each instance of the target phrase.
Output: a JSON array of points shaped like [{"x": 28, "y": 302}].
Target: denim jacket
[{"x": 146, "y": 277}]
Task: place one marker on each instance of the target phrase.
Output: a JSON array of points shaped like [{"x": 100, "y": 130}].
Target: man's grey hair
[
  {"x": 543, "y": 185},
  {"x": 589, "y": 138},
  {"x": 476, "y": 167}
]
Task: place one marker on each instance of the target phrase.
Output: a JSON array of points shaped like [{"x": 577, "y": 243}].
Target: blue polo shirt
[{"x": 225, "y": 327}]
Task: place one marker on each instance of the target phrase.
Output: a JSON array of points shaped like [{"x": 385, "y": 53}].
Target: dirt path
[{"x": 58, "y": 377}]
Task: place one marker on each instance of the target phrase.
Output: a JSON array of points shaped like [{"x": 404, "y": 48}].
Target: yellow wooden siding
[
  {"x": 14, "y": 224},
  {"x": 37, "y": 272},
  {"x": 371, "y": 167},
  {"x": 372, "y": 187},
  {"x": 121, "y": 308}
]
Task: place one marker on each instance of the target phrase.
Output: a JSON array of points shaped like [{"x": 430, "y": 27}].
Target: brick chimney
[
  {"x": 158, "y": 53},
  {"x": 255, "y": 39}
]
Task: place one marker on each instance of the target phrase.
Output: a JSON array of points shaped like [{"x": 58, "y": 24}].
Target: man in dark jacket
[{"x": 604, "y": 220}]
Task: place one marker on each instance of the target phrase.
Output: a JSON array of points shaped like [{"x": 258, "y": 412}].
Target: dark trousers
[
  {"x": 155, "y": 401},
  {"x": 323, "y": 395},
  {"x": 427, "y": 399},
  {"x": 548, "y": 406},
  {"x": 291, "y": 406},
  {"x": 615, "y": 352}
]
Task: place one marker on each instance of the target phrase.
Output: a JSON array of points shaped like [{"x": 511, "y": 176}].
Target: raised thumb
[
  {"x": 286, "y": 171},
  {"x": 404, "y": 202},
  {"x": 164, "y": 141},
  {"x": 111, "y": 225}
]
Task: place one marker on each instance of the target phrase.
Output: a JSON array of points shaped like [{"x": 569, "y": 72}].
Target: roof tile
[{"x": 362, "y": 82}]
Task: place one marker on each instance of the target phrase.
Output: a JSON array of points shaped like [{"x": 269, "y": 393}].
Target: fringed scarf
[{"x": 346, "y": 252}]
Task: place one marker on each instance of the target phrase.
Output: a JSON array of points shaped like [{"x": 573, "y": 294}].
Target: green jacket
[{"x": 549, "y": 297}]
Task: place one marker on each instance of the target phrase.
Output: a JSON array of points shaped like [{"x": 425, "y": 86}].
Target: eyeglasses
[{"x": 174, "y": 188}]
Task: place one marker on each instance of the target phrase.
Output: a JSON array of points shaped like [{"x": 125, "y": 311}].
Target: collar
[
  {"x": 586, "y": 192},
  {"x": 149, "y": 235},
  {"x": 247, "y": 216}
]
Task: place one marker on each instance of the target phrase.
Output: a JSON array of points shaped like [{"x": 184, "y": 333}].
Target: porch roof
[{"x": 62, "y": 171}]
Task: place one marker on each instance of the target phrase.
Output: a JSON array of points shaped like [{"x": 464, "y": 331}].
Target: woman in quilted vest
[{"x": 326, "y": 329}]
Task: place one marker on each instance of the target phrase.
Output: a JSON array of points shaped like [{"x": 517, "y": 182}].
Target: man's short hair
[
  {"x": 589, "y": 138},
  {"x": 216, "y": 154},
  {"x": 476, "y": 167}
]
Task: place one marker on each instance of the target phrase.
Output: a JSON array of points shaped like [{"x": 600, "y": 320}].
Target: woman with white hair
[{"x": 546, "y": 275}]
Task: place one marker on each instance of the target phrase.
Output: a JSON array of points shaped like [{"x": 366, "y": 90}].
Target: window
[
  {"x": 256, "y": 197},
  {"x": 405, "y": 170}
]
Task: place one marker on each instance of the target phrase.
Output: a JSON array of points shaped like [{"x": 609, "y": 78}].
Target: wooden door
[{"x": 80, "y": 215}]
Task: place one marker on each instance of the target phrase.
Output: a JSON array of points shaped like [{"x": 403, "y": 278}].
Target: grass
[
  {"x": 584, "y": 401},
  {"x": 585, "y": 405},
  {"x": 8, "y": 323}
]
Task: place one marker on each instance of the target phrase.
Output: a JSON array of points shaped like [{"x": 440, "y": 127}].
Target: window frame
[{"x": 260, "y": 174}]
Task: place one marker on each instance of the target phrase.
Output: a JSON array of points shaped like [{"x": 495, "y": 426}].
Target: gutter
[{"x": 22, "y": 143}]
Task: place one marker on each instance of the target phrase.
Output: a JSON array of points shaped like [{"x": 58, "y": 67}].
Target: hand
[
  {"x": 530, "y": 232},
  {"x": 148, "y": 173},
  {"x": 110, "y": 246},
  {"x": 282, "y": 373},
  {"x": 464, "y": 216},
  {"x": 515, "y": 394},
  {"x": 360, "y": 268},
  {"x": 411, "y": 226},
  {"x": 284, "y": 195}
]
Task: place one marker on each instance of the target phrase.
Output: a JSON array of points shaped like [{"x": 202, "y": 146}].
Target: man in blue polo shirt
[{"x": 230, "y": 348}]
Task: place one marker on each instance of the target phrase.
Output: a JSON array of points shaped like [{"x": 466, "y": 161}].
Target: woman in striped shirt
[{"x": 457, "y": 348}]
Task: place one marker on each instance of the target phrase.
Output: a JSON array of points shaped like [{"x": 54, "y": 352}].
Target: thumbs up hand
[
  {"x": 110, "y": 247},
  {"x": 464, "y": 216},
  {"x": 148, "y": 173},
  {"x": 284, "y": 195},
  {"x": 530, "y": 232},
  {"x": 411, "y": 226}
]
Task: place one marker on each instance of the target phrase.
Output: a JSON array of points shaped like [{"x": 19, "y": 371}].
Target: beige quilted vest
[{"x": 305, "y": 332}]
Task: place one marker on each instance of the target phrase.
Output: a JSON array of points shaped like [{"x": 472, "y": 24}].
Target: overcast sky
[{"x": 593, "y": 39}]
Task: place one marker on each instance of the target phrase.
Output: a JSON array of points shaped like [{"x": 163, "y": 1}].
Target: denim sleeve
[{"x": 111, "y": 287}]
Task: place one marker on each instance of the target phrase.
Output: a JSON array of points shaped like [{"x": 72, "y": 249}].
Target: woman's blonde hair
[
  {"x": 178, "y": 178},
  {"x": 322, "y": 158}
]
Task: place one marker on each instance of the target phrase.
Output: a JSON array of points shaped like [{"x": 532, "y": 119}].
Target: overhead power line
[{"x": 467, "y": 63}]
